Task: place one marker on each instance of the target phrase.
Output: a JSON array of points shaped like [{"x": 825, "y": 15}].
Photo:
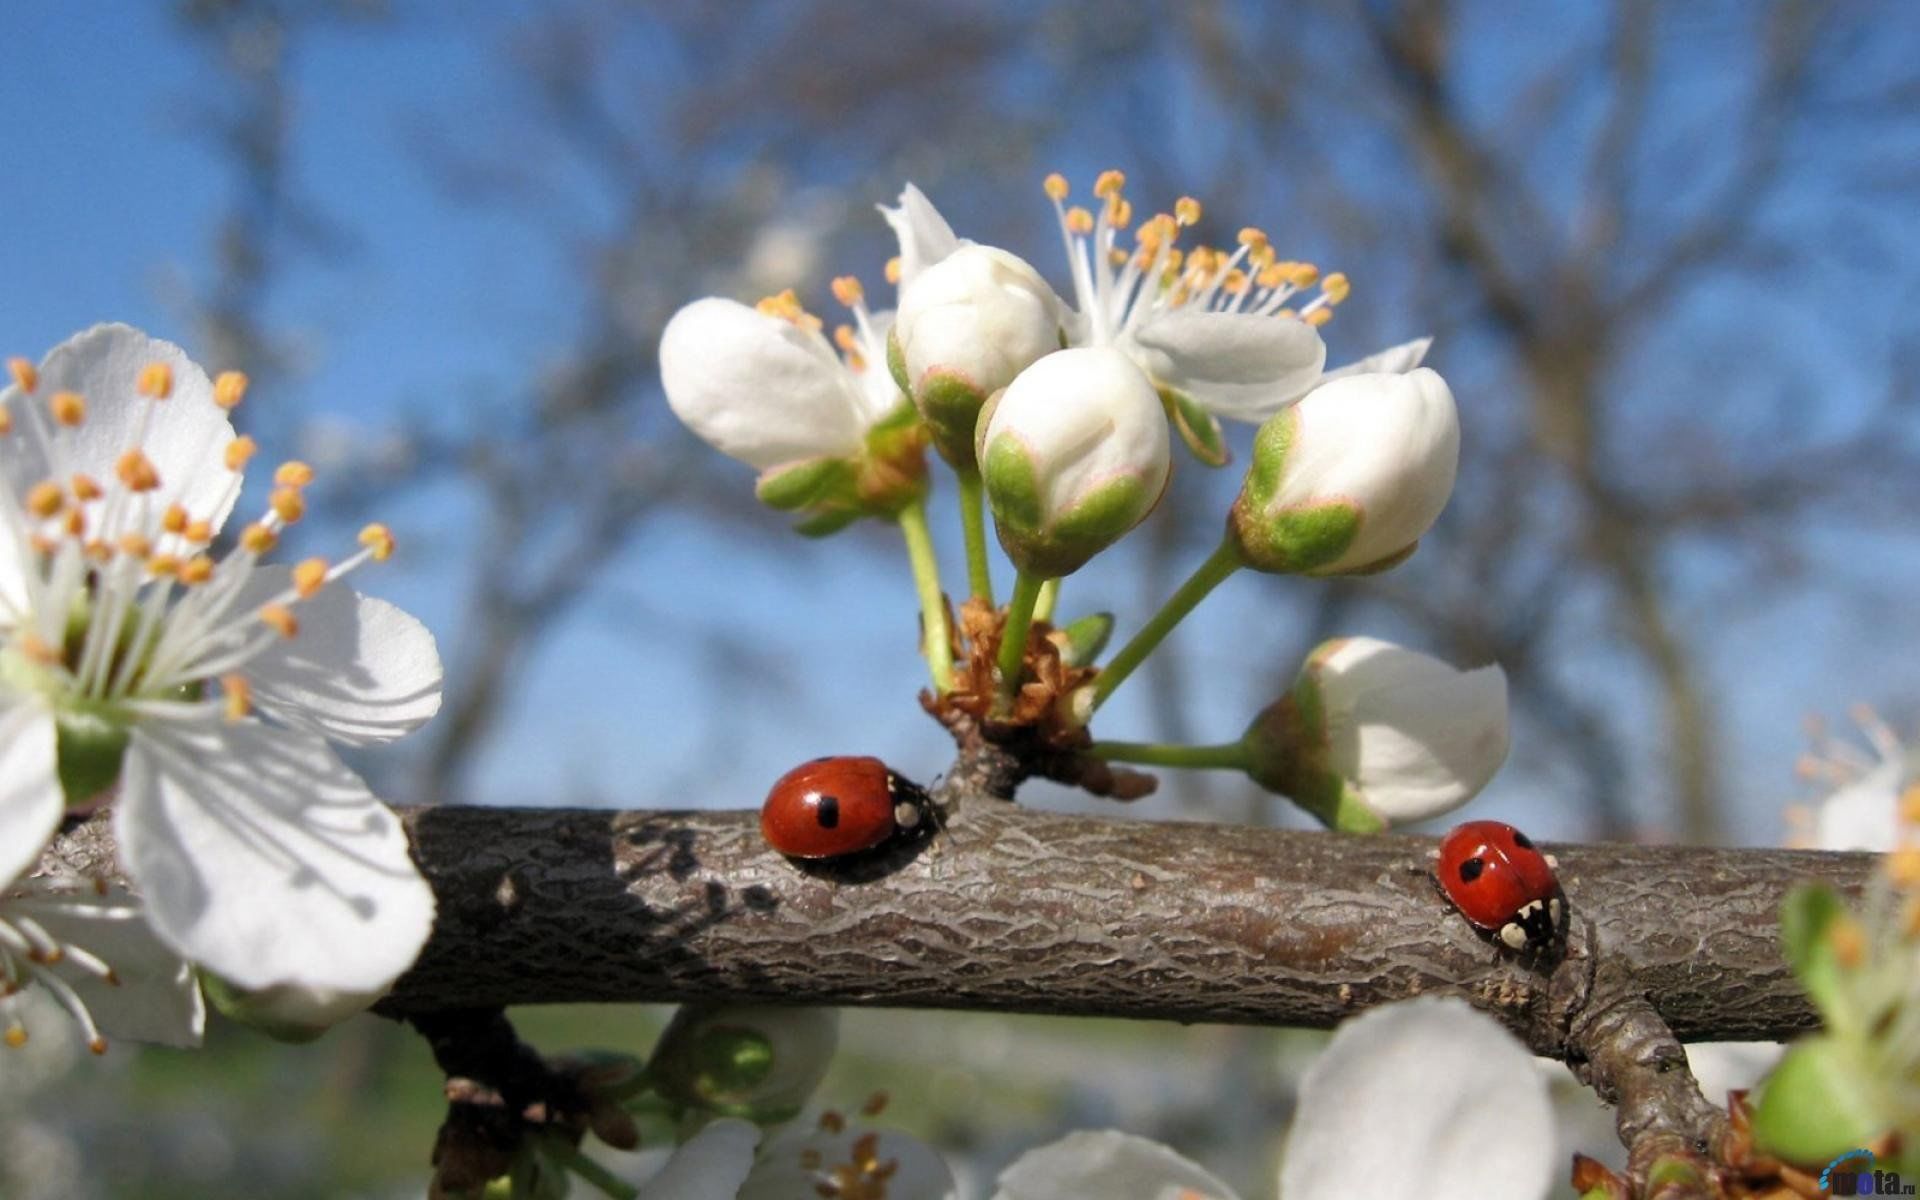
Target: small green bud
[
  {"x": 1198, "y": 428},
  {"x": 1819, "y": 1102},
  {"x": 761, "y": 1063},
  {"x": 1082, "y": 641}
]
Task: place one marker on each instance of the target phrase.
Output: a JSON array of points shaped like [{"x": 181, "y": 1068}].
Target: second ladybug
[
  {"x": 840, "y": 805},
  {"x": 1500, "y": 881}
]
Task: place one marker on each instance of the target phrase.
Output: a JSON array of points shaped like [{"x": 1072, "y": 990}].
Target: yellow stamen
[
  {"x": 844, "y": 337},
  {"x": 97, "y": 1046},
  {"x": 136, "y": 472},
  {"x": 239, "y": 450},
  {"x": 1117, "y": 257},
  {"x": 135, "y": 545},
  {"x": 42, "y": 544},
  {"x": 893, "y": 269},
  {"x": 44, "y": 498},
  {"x": 847, "y": 290},
  {"x": 37, "y": 650},
  {"x": 1055, "y": 185},
  {"x": 786, "y": 306},
  {"x": 1186, "y": 210},
  {"x": 76, "y": 522},
  {"x": 200, "y": 531},
  {"x": 239, "y": 696},
  {"x": 155, "y": 380},
  {"x": 174, "y": 520},
  {"x": 1304, "y": 275},
  {"x": 1910, "y": 804},
  {"x": 1079, "y": 220},
  {"x": 309, "y": 576},
  {"x": 1119, "y": 212},
  {"x": 832, "y": 1122},
  {"x": 1236, "y": 281},
  {"x": 99, "y": 551},
  {"x": 69, "y": 408},
  {"x": 287, "y": 504},
  {"x": 16, "y": 1036},
  {"x": 280, "y": 619},
  {"x": 1252, "y": 236},
  {"x": 24, "y": 373},
  {"x": 163, "y": 566},
  {"x": 1273, "y": 276},
  {"x": 85, "y": 488},
  {"x": 6, "y": 420},
  {"x": 293, "y": 473},
  {"x": 1318, "y": 317},
  {"x": 1910, "y": 917},
  {"x": 1335, "y": 288},
  {"x": 258, "y": 539},
  {"x": 229, "y": 389},
  {"x": 1109, "y": 184},
  {"x": 196, "y": 570},
  {"x": 379, "y": 539}
]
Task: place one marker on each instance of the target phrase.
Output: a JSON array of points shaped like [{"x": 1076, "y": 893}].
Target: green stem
[
  {"x": 935, "y": 640},
  {"x": 1228, "y": 756},
  {"x": 1013, "y": 637},
  {"x": 1223, "y": 562},
  {"x": 1049, "y": 596},
  {"x": 591, "y": 1171},
  {"x": 973, "y": 523}
]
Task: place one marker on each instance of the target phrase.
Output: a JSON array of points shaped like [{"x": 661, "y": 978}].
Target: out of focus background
[{"x": 1670, "y": 255}]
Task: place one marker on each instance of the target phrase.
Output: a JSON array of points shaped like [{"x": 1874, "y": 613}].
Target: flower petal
[
  {"x": 266, "y": 860},
  {"x": 362, "y": 670},
  {"x": 710, "y": 1166},
  {"x": 1108, "y": 1165},
  {"x": 1241, "y": 366},
  {"x": 156, "y": 999},
  {"x": 1862, "y": 814},
  {"x": 925, "y": 237},
  {"x": 1394, "y": 360},
  {"x": 1423, "y": 1098},
  {"x": 30, "y": 797},
  {"x": 917, "y": 1172},
  {"x": 759, "y": 388},
  {"x": 186, "y": 439}
]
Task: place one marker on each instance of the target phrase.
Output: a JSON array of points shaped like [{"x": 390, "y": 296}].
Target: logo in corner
[{"x": 1853, "y": 1174}]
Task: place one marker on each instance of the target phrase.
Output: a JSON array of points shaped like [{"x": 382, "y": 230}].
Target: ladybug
[
  {"x": 839, "y": 805},
  {"x": 1500, "y": 881}
]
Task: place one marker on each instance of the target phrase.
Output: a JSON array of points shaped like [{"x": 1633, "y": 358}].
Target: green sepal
[
  {"x": 237, "y": 1005},
  {"x": 1051, "y": 549},
  {"x": 950, "y": 405},
  {"x": 1197, "y": 427},
  {"x": 1085, "y": 638},
  {"x": 897, "y": 363},
  {"x": 90, "y": 748},
  {"x": 827, "y": 521},
  {"x": 804, "y": 484},
  {"x": 1817, "y": 1104},
  {"x": 1807, "y": 917},
  {"x": 1297, "y": 542}
]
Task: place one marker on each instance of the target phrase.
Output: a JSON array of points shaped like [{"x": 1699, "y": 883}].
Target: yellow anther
[
  {"x": 1910, "y": 804},
  {"x": 876, "y": 1104},
  {"x": 786, "y": 306},
  {"x": 97, "y": 1046},
  {"x": 38, "y": 650},
  {"x": 163, "y": 566},
  {"x": 258, "y": 539},
  {"x": 99, "y": 551},
  {"x": 846, "y": 339},
  {"x": 200, "y": 532},
  {"x": 136, "y": 472},
  {"x": 1910, "y": 917},
  {"x": 832, "y": 1122},
  {"x": 893, "y": 269},
  {"x": 6, "y": 419},
  {"x": 85, "y": 488},
  {"x": 76, "y": 522},
  {"x": 1186, "y": 210},
  {"x": 155, "y": 380},
  {"x": 1079, "y": 220},
  {"x": 239, "y": 450},
  {"x": 24, "y": 373},
  {"x": 1273, "y": 276},
  {"x": 293, "y": 474},
  {"x": 196, "y": 570},
  {"x": 280, "y": 619},
  {"x": 1119, "y": 212},
  {"x": 42, "y": 544},
  {"x": 16, "y": 1036},
  {"x": 847, "y": 290},
  {"x": 44, "y": 499},
  {"x": 1335, "y": 288},
  {"x": 1174, "y": 259},
  {"x": 238, "y": 694},
  {"x": 175, "y": 519},
  {"x": 865, "y": 1151},
  {"x": 1055, "y": 185},
  {"x": 309, "y": 576},
  {"x": 1117, "y": 257},
  {"x": 1109, "y": 184},
  {"x": 1303, "y": 275},
  {"x": 1252, "y": 236},
  {"x": 1903, "y": 868},
  {"x": 69, "y": 408},
  {"x": 1318, "y": 317},
  {"x": 379, "y": 539},
  {"x": 1261, "y": 255},
  {"x": 1236, "y": 281},
  {"x": 287, "y": 504},
  {"x": 1849, "y": 942},
  {"x": 230, "y": 388},
  {"x": 135, "y": 545}
]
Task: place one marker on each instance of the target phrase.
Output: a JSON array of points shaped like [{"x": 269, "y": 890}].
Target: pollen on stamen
[
  {"x": 137, "y": 472},
  {"x": 1079, "y": 220},
  {"x": 68, "y": 408},
  {"x": 174, "y": 520},
  {"x": 196, "y": 570},
  {"x": 1302, "y": 275},
  {"x": 6, "y": 420},
  {"x": 1186, "y": 210},
  {"x": 85, "y": 488},
  {"x": 156, "y": 381},
  {"x": 76, "y": 523},
  {"x": 280, "y": 619},
  {"x": 258, "y": 539},
  {"x": 163, "y": 566},
  {"x": 200, "y": 532},
  {"x": 229, "y": 389},
  {"x": 135, "y": 545},
  {"x": 287, "y": 504},
  {"x": 832, "y": 1122},
  {"x": 293, "y": 473},
  {"x": 847, "y": 290},
  {"x": 239, "y": 450},
  {"x": 1109, "y": 183},
  {"x": 24, "y": 373},
  {"x": 44, "y": 499},
  {"x": 37, "y": 650},
  {"x": 1335, "y": 288},
  {"x": 98, "y": 1045},
  {"x": 1055, "y": 185},
  {"x": 1318, "y": 317},
  {"x": 309, "y": 576},
  {"x": 893, "y": 269},
  {"x": 876, "y": 1104},
  {"x": 16, "y": 1036},
  {"x": 1252, "y": 236},
  {"x": 238, "y": 697}
]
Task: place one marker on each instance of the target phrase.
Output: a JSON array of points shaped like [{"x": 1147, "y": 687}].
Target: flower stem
[
  {"x": 591, "y": 1171},
  {"x": 1230, "y": 756},
  {"x": 973, "y": 523},
  {"x": 1049, "y": 596},
  {"x": 1224, "y": 561},
  {"x": 935, "y": 640},
  {"x": 1013, "y": 636}
]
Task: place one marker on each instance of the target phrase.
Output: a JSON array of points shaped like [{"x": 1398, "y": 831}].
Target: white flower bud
[
  {"x": 1349, "y": 480},
  {"x": 966, "y": 326},
  {"x": 1373, "y": 734},
  {"x": 1075, "y": 454}
]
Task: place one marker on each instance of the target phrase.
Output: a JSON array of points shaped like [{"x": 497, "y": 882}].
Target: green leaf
[
  {"x": 1817, "y": 1104},
  {"x": 1197, "y": 427},
  {"x": 1086, "y": 638},
  {"x": 1806, "y": 921}
]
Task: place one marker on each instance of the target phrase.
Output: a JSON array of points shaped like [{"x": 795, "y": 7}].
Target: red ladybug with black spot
[
  {"x": 840, "y": 805},
  {"x": 1500, "y": 881}
]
